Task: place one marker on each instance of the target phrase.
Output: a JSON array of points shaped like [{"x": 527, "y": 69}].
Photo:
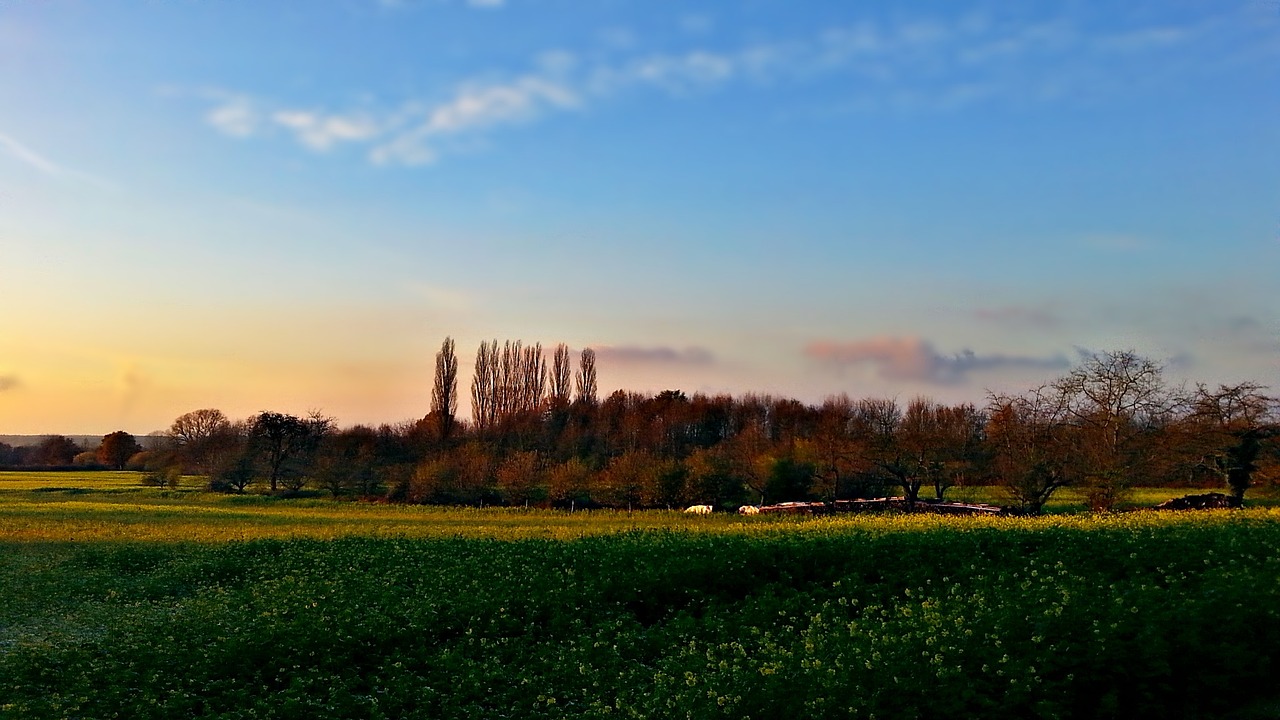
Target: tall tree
[
  {"x": 561, "y": 377},
  {"x": 532, "y": 381},
  {"x": 444, "y": 389},
  {"x": 508, "y": 379},
  {"x": 587, "y": 391},
  {"x": 484, "y": 386}
]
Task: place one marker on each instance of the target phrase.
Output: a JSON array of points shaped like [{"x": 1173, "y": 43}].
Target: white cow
[
  {"x": 748, "y": 510},
  {"x": 699, "y": 509}
]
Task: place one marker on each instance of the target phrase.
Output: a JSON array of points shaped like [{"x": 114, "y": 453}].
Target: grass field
[
  {"x": 123, "y": 601},
  {"x": 117, "y": 505}
]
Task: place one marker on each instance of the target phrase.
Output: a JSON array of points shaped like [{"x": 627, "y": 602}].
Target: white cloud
[
  {"x": 482, "y": 106},
  {"x": 235, "y": 117},
  {"x": 408, "y": 150},
  {"x": 486, "y": 3},
  {"x": 473, "y": 108},
  {"x": 320, "y": 132}
]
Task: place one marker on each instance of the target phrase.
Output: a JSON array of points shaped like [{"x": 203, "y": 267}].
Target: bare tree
[
  {"x": 958, "y": 435},
  {"x": 285, "y": 442},
  {"x": 561, "y": 377},
  {"x": 1119, "y": 402},
  {"x": 203, "y": 441},
  {"x": 835, "y": 447},
  {"x": 197, "y": 425},
  {"x": 531, "y": 383},
  {"x": 587, "y": 390},
  {"x": 444, "y": 390},
  {"x": 1226, "y": 430},
  {"x": 484, "y": 386},
  {"x": 1034, "y": 447},
  {"x": 507, "y": 398}
]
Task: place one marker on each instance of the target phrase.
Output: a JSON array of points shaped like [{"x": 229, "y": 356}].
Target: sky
[{"x": 289, "y": 206}]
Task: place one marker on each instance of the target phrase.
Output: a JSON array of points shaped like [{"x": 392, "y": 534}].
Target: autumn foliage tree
[
  {"x": 1109, "y": 424},
  {"x": 116, "y": 449}
]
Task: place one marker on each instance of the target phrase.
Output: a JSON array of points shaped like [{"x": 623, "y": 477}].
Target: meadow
[{"x": 123, "y": 601}]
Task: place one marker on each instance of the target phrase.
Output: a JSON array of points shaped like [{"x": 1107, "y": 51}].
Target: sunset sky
[{"x": 288, "y": 206}]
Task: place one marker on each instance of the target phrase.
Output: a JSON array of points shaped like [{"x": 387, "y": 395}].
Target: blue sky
[{"x": 288, "y": 206}]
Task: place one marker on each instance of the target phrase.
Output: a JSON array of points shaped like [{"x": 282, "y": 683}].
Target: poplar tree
[
  {"x": 587, "y": 390},
  {"x": 444, "y": 391},
  {"x": 561, "y": 377}
]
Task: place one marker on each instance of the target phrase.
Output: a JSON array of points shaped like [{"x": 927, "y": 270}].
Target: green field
[{"x": 123, "y": 601}]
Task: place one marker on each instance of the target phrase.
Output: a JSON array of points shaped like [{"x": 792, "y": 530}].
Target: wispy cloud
[
  {"x": 410, "y": 135},
  {"x": 319, "y": 132},
  {"x": 8, "y": 382},
  {"x": 236, "y": 117},
  {"x": 473, "y": 108},
  {"x": 42, "y": 164},
  {"x": 635, "y": 355},
  {"x": 922, "y": 64},
  {"x": 910, "y": 359},
  {"x": 29, "y": 157}
]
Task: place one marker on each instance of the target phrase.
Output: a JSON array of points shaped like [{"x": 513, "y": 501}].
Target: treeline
[
  {"x": 115, "y": 451},
  {"x": 539, "y": 435}
]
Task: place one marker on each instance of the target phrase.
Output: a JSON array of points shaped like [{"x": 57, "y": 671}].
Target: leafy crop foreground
[{"x": 1136, "y": 616}]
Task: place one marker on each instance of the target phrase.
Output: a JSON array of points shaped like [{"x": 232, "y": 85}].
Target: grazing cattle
[
  {"x": 699, "y": 509},
  {"x": 748, "y": 510}
]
